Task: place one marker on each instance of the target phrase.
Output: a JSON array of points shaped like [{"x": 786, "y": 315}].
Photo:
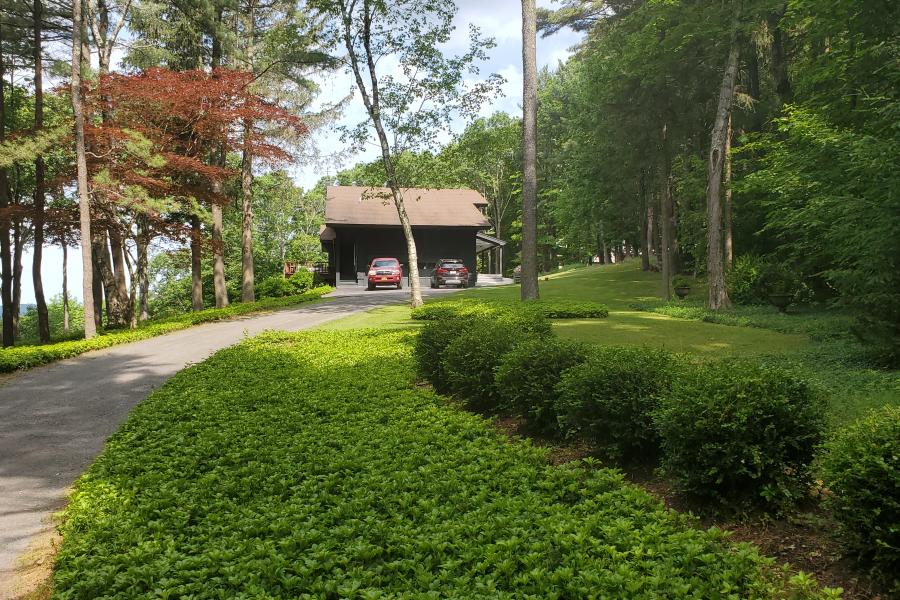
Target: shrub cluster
[
  {"x": 861, "y": 468},
  {"x": 277, "y": 286},
  {"x": 473, "y": 307},
  {"x": 738, "y": 434},
  {"x": 609, "y": 400},
  {"x": 26, "y": 357},
  {"x": 526, "y": 379},
  {"x": 275, "y": 470}
]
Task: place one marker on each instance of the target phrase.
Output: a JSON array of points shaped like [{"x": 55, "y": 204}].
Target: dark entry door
[{"x": 348, "y": 260}]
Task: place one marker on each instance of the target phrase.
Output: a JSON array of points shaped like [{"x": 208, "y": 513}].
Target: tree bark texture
[
  {"x": 65, "y": 286},
  {"x": 19, "y": 237},
  {"x": 6, "y": 274},
  {"x": 666, "y": 215},
  {"x": 247, "y": 271},
  {"x": 143, "y": 281},
  {"x": 84, "y": 209},
  {"x": 715, "y": 262},
  {"x": 196, "y": 267},
  {"x": 218, "y": 248},
  {"x": 645, "y": 219},
  {"x": 729, "y": 206},
  {"x": 529, "y": 289},
  {"x": 123, "y": 295},
  {"x": 39, "y": 193}
]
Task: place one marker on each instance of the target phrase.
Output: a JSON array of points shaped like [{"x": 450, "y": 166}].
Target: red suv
[
  {"x": 385, "y": 271},
  {"x": 450, "y": 271}
]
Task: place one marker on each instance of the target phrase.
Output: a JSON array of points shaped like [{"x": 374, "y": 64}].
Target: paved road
[{"x": 54, "y": 419}]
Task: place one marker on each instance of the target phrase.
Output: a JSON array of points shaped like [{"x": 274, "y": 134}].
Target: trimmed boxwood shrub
[
  {"x": 470, "y": 360},
  {"x": 527, "y": 376},
  {"x": 277, "y": 286},
  {"x": 861, "y": 468},
  {"x": 741, "y": 435},
  {"x": 609, "y": 400},
  {"x": 430, "y": 345},
  {"x": 473, "y": 307}
]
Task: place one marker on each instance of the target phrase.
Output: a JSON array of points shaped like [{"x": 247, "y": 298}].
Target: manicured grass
[
  {"x": 311, "y": 466},
  {"x": 26, "y": 357}
]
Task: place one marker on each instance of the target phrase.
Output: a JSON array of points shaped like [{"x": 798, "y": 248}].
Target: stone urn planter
[
  {"x": 682, "y": 291},
  {"x": 780, "y": 301}
]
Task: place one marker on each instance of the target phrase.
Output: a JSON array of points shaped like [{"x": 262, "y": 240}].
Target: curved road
[{"x": 55, "y": 419}]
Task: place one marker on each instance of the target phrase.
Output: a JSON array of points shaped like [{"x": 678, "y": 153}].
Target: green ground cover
[
  {"x": 284, "y": 467},
  {"x": 26, "y": 357}
]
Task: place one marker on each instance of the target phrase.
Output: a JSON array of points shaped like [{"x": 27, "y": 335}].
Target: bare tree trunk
[
  {"x": 115, "y": 308},
  {"x": 196, "y": 268},
  {"x": 218, "y": 248},
  {"x": 90, "y": 326},
  {"x": 19, "y": 237},
  {"x": 98, "y": 296},
  {"x": 645, "y": 233},
  {"x": 529, "y": 287},
  {"x": 65, "y": 286},
  {"x": 778, "y": 56},
  {"x": 143, "y": 282},
  {"x": 666, "y": 211},
  {"x": 119, "y": 264},
  {"x": 38, "y": 218},
  {"x": 729, "y": 207},
  {"x": 718, "y": 294},
  {"x": 6, "y": 269},
  {"x": 247, "y": 274}
]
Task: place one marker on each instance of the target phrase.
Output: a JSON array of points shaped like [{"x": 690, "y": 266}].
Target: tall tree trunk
[
  {"x": 143, "y": 281},
  {"x": 718, "y": 294},
  {"x": 65, "y": 286},
  {"x": 38, "y": 218},
  {"x": 119, "y": 264},
  {"x": 646, "y": 218},
  {"x": 779, "y": 58},
  {"x": 666, "y": 214},
  {"x": 90, "y": 326},
  {"x": 729, "y": 206},
  {"x": 529, "y": 288},
  {"x": 19, "y": 238},
  {"x": 247, "y": 273},
  {"x": 98, "y": 295},
  {"x": 247, "y": 269},
  {"x": 6, "y": 269},
  {"x": 218, "y": 243},
  {"x": 115, "y": 308},
  {"x": 196, "y": 267}
]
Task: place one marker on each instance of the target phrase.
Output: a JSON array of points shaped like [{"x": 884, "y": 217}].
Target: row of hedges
[
  {"x": 733, "y": 435},
  {"x": 305, "y": 477},
  {"x": 278, "y": 286},
  {"x": 475, "y": 307},
  {"x": 26, "y": 357}
]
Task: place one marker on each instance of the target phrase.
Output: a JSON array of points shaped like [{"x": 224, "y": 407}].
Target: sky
[{"x": 500, "y": 19}]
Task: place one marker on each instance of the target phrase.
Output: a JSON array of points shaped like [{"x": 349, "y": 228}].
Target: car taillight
[
  {"x": 463, "y": 270},
  {"x": 442, "y": 270}
]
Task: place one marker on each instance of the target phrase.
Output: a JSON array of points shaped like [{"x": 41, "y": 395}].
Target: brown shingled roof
[{"x": 356, "y": 205}]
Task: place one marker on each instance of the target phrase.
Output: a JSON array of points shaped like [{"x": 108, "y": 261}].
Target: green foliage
[
  {"x": 430, "y": 345},
  {"x": 526, "y": 379},
  {"x": 609, "y": 400},
  {"x": 740, "y": 435},
  {"x": 861, "y": 468},
  {"x": 681, "y": 281},
  {"x": 28, "y": 326},
  {"x": 743, "y": 280},
  {"x": 277, "y": 286},
  {"x": 557, "y": 308},
  {"x": 281, "y": 468},
  {"x": 472, "y": 357},
  {"x": 26, "y": 357}
]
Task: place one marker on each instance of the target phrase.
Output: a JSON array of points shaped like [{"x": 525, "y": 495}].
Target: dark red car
[
  {"x": 450, "y": 271},
  {"x": 385, "y": 271}
]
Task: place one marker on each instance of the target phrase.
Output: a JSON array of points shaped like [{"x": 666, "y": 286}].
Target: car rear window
[
  {"x": 452, "y": 265},
  {"x": 385, "y": 263}
]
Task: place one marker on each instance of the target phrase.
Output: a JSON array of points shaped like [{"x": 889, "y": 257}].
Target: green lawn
[{"x": 816, "y": 343}]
